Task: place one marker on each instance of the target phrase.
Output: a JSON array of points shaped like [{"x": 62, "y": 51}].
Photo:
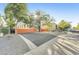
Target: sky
[{"x": 60, "y": 11}]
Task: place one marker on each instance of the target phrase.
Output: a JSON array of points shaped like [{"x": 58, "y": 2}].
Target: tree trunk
[{"x": 39, "y": 26}]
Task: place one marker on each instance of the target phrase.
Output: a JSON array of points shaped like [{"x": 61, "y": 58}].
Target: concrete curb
[{"x": 30, "y": 44}]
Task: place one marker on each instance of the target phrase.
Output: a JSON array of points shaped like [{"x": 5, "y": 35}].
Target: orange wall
[
  {"x": 24, "y": 30},
  {"x": 44, "y": 30},
  {"x": 29, "y": 30}
]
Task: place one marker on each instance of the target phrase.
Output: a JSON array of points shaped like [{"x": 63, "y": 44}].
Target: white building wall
[{"x": 3, "y": 22}]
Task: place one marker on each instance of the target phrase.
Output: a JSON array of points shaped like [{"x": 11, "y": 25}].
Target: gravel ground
[
  {"x": 39, "y": 38},
  {"x": 12, "y": 45}
]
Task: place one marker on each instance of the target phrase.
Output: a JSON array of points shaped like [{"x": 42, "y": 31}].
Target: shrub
[{"x": 4, "y": 30}]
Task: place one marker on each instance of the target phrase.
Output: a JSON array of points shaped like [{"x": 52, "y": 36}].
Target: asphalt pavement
[{"x": 39, "y": 38}]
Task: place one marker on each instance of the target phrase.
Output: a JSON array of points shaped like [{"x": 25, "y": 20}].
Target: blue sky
[{"x": 66, "y": 11}]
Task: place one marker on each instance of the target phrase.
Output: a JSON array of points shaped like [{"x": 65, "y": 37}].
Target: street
[
  {"x": 59, "y": 46},
  {"x": 39, "y": 44}
]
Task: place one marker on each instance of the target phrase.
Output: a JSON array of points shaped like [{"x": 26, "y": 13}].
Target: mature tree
[
  {"x": 10, "y": 23},
  {"x": 17, "y": 10},
  {"x": 64, "y": 25}
]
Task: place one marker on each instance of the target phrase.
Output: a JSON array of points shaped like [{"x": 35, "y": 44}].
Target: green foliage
[
  {"x": 41, "y": 16},
  {"x": 17, "y": 10},
  {"x": 4, "y": 30},
  {"x": 0, "y": 22},
  {"x": 28, "y": 20},
  {"x": 77, "y": 27},
  {"x": 49, "y": 25},
  {"x": 49, "y": 22},
  {"x": 10, "y": 23},
  {"x": 38, "y": 19},
  {"x": 63, "y": 25}
]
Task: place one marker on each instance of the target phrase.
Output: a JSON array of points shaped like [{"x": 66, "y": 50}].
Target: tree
[
  {"x": 63, "y": 25},
  {"x": 0, "y": 22},
  {"x": 17, "y": 10},
  {"x": 77, "y": 27},
  {"x": 28, "y": 20},
  {"x": 10, "y": 23},
  {"x": 31, "y": 19},
  {"x": 49, "y": 25},
  {"x": 41, "y": 16},
  {"x": 49, "y": 22},
  {"x": 4, "y": 30}
]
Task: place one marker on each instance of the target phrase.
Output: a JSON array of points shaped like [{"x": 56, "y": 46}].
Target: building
[{"x": 2, "y": 22}]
